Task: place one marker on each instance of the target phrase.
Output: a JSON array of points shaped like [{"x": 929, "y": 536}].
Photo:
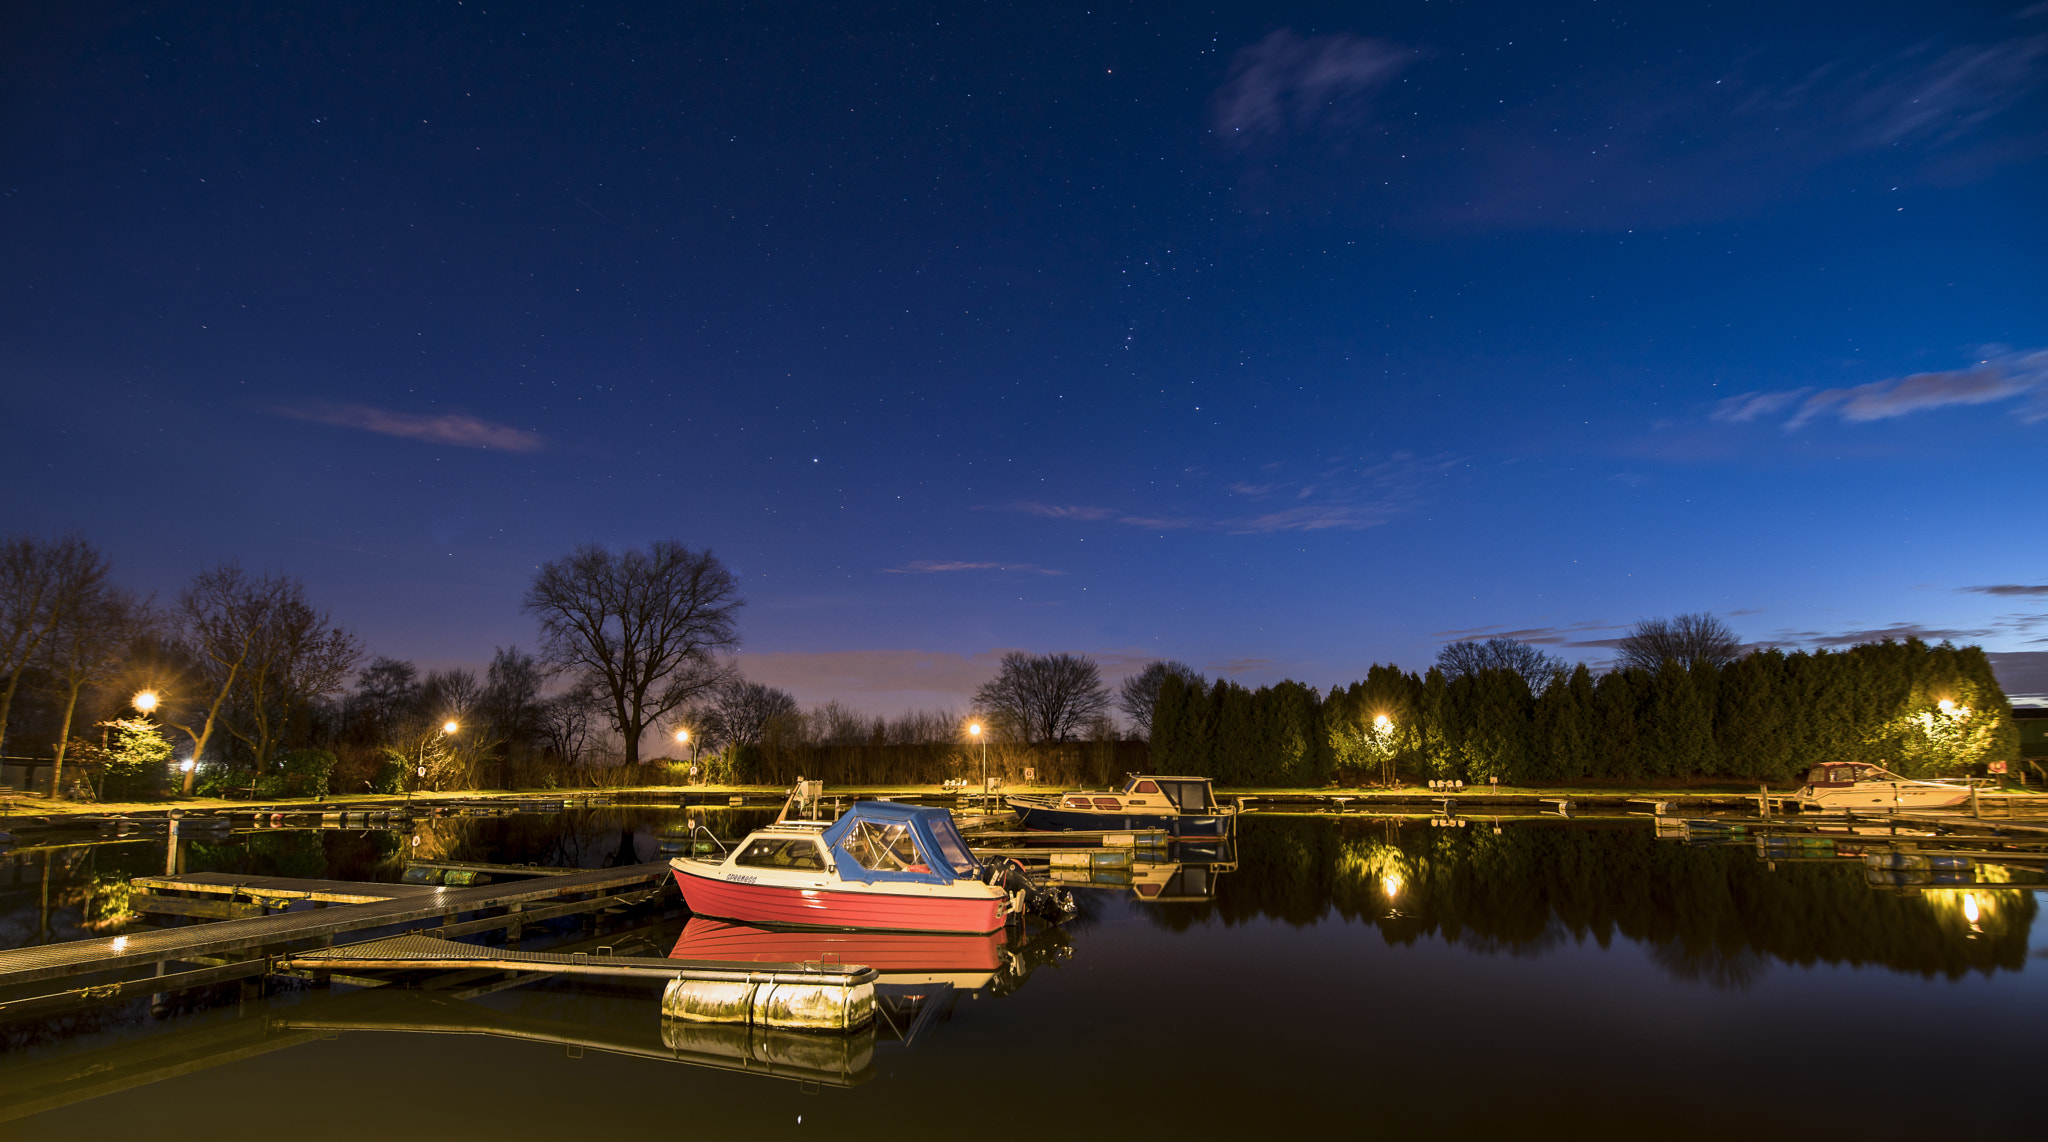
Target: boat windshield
[
  {"x": 781, "y": 852},
  {"x": 883, "y": 847},
  {"x": 953, "y": 851}
]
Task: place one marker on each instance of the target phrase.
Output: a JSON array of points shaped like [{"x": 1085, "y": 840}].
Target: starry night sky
[{"x": 1280, "y": 338}]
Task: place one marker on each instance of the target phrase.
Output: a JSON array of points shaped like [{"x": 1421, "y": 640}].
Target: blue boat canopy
[{"x": 881, "y": 840}]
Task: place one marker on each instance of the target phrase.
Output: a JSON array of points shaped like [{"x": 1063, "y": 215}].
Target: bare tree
[
  {"x": 645, "y": 627},
  {"x": 739, "y": 712},
  {"x": 218, "y": 631},
  {"x": 41, "y": 586},
  {"x": 88, "y": 648},
  {"x": 1139, "y": 693},
  {"x": 1690, "y": 640},
  {"x": 294, "y": 655},
  {"x": 1044, "y": 697},
  {"x": 1468, "y": 657},
  {"x": 564, "y": 722}
]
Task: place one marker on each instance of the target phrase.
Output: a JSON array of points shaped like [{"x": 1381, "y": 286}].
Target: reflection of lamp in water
[
  {"x": 1970, "y": 908},
  {"x": 1391, "y": 885}
]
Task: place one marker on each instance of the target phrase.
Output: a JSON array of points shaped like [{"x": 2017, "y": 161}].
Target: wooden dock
[{"x": 247, "y": 945}]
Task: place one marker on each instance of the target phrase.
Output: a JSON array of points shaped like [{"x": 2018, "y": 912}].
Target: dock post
[
  {"x": 1763, "y": 800},
  {"x": 1976, "y": 810}
]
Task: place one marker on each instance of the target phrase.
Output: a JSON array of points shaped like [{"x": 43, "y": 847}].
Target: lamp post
[
  {"x": 975, "y": 730},
  {"x": 420, "y": 770}
]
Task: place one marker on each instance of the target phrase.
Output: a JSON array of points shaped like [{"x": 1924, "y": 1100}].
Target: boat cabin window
[
  {"x": 953, "y": 851},
  {"x": 1190, "y": 796},
  {"x": 782, "y": 852},
  {"x": 1143, "y": 787},
  {"x": 883, "y": 848}
]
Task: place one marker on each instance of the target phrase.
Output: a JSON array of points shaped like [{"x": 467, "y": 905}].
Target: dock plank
[{"x": 78, "y": 957}]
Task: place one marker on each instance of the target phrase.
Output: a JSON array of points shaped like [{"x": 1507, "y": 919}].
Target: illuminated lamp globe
[{"x": 146, "y": 701}]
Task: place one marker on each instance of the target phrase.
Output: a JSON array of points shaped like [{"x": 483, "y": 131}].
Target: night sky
[{"x": 1280, "y": 339}]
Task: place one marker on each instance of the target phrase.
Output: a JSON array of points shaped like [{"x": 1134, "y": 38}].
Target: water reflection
[{"x": 1714, "y": 914}]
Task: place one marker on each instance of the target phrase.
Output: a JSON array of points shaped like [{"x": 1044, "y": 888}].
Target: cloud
[
  {"x": 1244, "y": 665},
  {"x": 1343, "y": 494},
  {"x": 1288, "y": 83},
  {"x": 2021, "y": 673},
  {"x": 2000, "y": 375},
  {"x": 1898, "y": 632},
  {"x": 930, "y": 567},
  {"x": 458, "y": 429},
  {"x": 891, "y": 681},
  {"x": 2006, "y": 589},
  {"x": 1682, "y": 138}
]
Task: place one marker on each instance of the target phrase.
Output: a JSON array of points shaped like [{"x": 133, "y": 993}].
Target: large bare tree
[
  {"x": 90, "y": 647},
  {"x": 643, "y": 628},
  {"x": 1689, "y": 640},
  {"x": 1139, "y": 693},
  {"x": 42, "y": 584},
  {"x": 297, "y": 654},
  {"x": 1043, "y": 697},
  {"x": 232, "y": 626},
  {"x": 1468, "y": 657}
]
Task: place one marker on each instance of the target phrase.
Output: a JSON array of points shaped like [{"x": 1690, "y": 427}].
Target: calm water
[{"x": 1551, "y": 979}]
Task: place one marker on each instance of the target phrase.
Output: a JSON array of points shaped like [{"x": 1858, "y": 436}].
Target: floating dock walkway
[{"x": 250, "y": 941}]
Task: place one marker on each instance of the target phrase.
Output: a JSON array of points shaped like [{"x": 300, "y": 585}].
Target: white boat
[{"x": 1855, "y": 785}]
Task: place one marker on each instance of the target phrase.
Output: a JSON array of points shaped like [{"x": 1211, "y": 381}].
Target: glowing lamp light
[
  {"x": 186, "y": 765},
  {"x": 975, "y": 729},
  {"x": 145, "y": 701},
  {"x": 1391, "y": 885},
  {"x": 1383, "y": 723},
  {"x": 682, "y": 736},
  {"x": 449, "y": 727},
  {"x": 1970, "y": 908},
  {"x": 1947, "y": 706}
]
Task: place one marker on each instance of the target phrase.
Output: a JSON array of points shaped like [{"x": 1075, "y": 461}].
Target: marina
[{"x": 608, "y": 963}]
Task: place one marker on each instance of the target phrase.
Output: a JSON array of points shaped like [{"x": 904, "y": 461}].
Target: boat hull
[
  {"x": 1045, "y": 819},
  {"x": 1885, "y": 795},
  {"x": 881, "y": 907},
  {"x": 900, "y": 957}
]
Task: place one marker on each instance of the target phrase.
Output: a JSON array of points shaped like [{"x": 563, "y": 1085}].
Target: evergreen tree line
[{"x": 1769, "y": 715}]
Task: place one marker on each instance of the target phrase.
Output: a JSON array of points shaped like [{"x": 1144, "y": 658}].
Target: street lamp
[
  {"x": 975, "y": 730},
  {"x": 145, "y": 700},
  {"x": 420, "y": 770}
]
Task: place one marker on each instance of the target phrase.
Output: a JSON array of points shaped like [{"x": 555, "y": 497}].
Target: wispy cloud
[
  {"x": 1677, "y": 140},
  {"x": 2000, "y": 374},
  {"x": 889, "y": 681},
  {"x": 1897, "y": 632},
  {"x": 1342, "y": 494},
  {"x": 933, "y": 567},
  {"x": 458, "y": 429},
  {"x": 1542, "y": 636},
  {"x": 1290, "y": 83},
  {"x": 2006, "y": 589}
]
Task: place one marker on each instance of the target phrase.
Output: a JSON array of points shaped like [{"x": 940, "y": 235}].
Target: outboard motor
[{"x": 1048, "y": 902}]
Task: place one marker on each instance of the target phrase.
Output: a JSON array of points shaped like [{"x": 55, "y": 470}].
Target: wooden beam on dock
[{"x": 81, "y": 957}]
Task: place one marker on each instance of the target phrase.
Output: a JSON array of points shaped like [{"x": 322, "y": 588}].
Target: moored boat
[
  {"x": 1855, "y": 785},
  {"x": 881, "y": 867},
  {"x": 1183, "y": 806}
]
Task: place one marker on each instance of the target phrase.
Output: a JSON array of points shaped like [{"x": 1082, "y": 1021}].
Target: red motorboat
[{"x": 881, "y": 867}]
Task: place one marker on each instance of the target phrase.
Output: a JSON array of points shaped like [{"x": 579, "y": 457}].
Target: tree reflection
[{"x": 1712, "y": 915}]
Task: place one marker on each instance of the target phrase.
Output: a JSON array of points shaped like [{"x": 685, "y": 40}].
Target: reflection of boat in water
[
  {"x": 1190, "y": 876},
  {"x": 1855, "y": 785},
  {"x": 912, "y": 965},
  {"x": 882, "y": 866},
  {"x": 1183, "y": 806},
  {"x": 900, "y": 957}
]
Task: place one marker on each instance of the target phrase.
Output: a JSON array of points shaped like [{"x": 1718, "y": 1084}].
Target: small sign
[
  {"x": 423, "y": 771},
  {"x": 1030, "y": 774},
  {"x": 1998, "y": 767}
]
